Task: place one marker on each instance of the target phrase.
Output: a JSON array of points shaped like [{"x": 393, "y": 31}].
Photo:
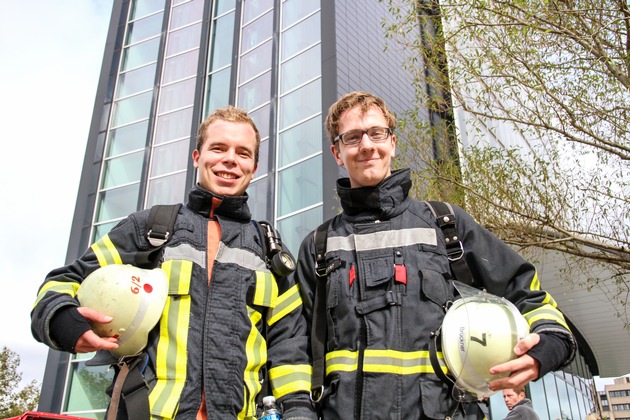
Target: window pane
[
  {"x": 135, "y": 81},
  {"x": 300, "y": 104},
  {"x": 183, "y": 40},
  {"x": 295, "y": 228},
  {"x": 258, "y": 192},
  {"x": 100, "y": 230},
  {"x": 551, "y": 396},
  {"x": 261, "y": 119},
  {"x": 294, "y": 10},
  {"x": 254, "y": 8},
  {"x": 186, "y": 14},
  {"x": 300, "y": 186},
  {"x": 117, "y": 203},
  {"x": 132, "y": 109},
  {"x": 177, "y": 95},
  {"x": 222, "y": 6},
  {"x": 222, "y": 37},
  {"x": 180, "y": 66},
  {"x": 255, "y": 62},
  {"x": 263, "y": 159},
  {"x": 140, "y": 54},
  {"x": 300, "y": 69},
  {"x": 122, "y": 170},
  {"x": 175, "y": 125},
  {"x": 300, "y": 141},
  {"x": 167, "y": 190},
  {"x": 144, "y": 7},
  {"x": 144, "y": 28},
  {"x": 255, "y": 93},
  {"x": 256, "y": 32},
  {"x": 170, "y": 157},
  {"x": 218, "y": 90},
  {"x": 87, "y": 387},
  {"x": 301, "y": 36},
  {"x": 127, "y": 138}
]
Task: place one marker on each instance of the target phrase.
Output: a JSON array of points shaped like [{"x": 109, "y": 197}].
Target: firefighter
[
  {"x": 228, "y": 322},
  {"x": 388, "y": 281}
]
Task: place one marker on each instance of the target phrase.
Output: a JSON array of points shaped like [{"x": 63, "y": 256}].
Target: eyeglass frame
[{"x": 363, "y": 132}]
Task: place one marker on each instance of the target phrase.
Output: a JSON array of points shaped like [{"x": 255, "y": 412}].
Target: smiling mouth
[{"x": 226, "y": 175}]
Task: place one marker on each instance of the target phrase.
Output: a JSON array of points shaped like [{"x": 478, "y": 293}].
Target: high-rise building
[
  {"x": 615, "y": 399},
  {"x": 169, "y": 63}
]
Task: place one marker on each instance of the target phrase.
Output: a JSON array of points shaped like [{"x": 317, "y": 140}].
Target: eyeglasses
[{"x": 376, "y": 134}]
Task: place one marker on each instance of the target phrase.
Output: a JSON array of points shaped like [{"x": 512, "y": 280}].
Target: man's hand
[
  {"x": 522, "y": 369},
  {"x": 89, "y": 341}
]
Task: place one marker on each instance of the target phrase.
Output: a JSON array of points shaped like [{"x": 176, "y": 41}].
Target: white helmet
[
  {"x": 132, "y": 296},
  {"x": 478, "y": 332}
]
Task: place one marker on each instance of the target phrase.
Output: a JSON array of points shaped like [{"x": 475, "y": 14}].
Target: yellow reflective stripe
[
  {"x": 383, "y": 361},
  {"x": 286, "y": 303},
  {"x": 172, "y": 345},
  {"x": 67, "y": 287},
  {"x": 256, "y": 352},
  {"x": 397, "y": 362},
  {"x": 290, "y": 378},
  {"x": 535, "y": 283},
  {"x": 546, "y": 313},
  {"x": 341, "y": 360},
  {"x": 106, "y": 252},
  {"x": 266, "y": 293}
]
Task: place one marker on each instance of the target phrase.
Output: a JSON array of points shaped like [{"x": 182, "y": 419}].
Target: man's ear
[{"x": 334, "y": 149}]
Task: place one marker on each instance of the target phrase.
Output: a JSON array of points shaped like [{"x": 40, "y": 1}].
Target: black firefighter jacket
[
  {"x": 209, "y": 340},
  {"x": 387, "y": 295}
]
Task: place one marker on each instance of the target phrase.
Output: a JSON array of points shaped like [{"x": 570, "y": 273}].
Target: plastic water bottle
[{"x": 270, "y": 409}]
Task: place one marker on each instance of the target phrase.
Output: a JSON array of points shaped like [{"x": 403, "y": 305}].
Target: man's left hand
[{"x": 522, "y": 370}]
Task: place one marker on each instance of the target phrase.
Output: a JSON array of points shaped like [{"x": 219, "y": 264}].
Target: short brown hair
[
  {"x": 350, "y": 100},
  {"x": 232, "y": 114}
]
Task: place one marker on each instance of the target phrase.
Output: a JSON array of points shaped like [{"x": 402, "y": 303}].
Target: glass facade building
[{"x": 168, "y": 64}]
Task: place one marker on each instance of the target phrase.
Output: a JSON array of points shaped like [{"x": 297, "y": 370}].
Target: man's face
[
  {"x": 511, "y": 398},
  {"x": 226, "y": 159},
  {"x": 367, "y": 162}
]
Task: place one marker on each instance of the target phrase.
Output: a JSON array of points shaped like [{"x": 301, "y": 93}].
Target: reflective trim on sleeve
[
  {"x": 286, "y": 303},
  {"x": 380, "y": 240},
  {"x": 383, "y": 361},
  {"x": 106, "y": 252},
  {"x": 172, "y": 345},
  {"x": 290, "y": 378},
  {"x": 67, "y": 287},
  {"x": 546, "y": 313}
]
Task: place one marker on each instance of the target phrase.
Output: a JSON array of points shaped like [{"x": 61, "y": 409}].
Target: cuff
[{"x": 66, "y": 326}]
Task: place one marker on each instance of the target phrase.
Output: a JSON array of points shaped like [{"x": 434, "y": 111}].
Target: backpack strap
[
  {"x": 445, "y": 218},
  {"x": 318, "y": 322},
  {"x": 160, "y": 227}
]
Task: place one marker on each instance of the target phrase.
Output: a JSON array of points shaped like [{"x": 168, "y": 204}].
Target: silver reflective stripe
[
  {"x": 240, "y": 257},
  {"x": 185, "y": 252},
  {"x": 380, "y": 240}
]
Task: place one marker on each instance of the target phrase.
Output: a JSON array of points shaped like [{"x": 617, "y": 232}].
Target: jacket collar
[
  {"x": 209, "y": 204},
  {"x": 386, "y": 200}
]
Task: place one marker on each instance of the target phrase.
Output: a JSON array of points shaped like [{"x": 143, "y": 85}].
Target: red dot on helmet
[{"x": 148, "y": 288}]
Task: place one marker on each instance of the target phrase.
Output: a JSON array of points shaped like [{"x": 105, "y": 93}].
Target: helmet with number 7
[
  {"x": 479, "y": 332},
  {"x": 134, "y": 297}
]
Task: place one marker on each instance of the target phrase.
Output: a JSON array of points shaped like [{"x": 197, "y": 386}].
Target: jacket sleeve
[
  {"x": 505, "y": 273},
  {"x": 290, "y": 370},
  {"x": 58, "y": 292}
]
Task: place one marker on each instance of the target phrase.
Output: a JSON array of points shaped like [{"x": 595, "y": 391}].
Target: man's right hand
[{"x": 89, "y": 341}]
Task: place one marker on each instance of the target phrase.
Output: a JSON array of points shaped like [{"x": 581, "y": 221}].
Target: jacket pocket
[{"x": 435, "y": 287}]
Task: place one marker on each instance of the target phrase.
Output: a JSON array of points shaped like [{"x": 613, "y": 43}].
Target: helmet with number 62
[
  {"x": 134, "y": 297},
  {"x": 479, "y": 332}
]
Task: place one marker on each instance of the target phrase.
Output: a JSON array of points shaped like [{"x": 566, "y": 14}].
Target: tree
[
  {"x": 14, "y": 401},
  {"x": 555, "y": 75}
]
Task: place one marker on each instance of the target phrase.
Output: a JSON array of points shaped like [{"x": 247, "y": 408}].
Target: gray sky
[{"x": 51, "y": 54}]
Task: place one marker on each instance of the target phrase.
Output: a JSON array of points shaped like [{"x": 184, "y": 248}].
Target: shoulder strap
[
  {"x": 161, "y": 223},
  {"x": 445, "y": 218},
  {"x": 160, "y": 227},
  {"x": 318, "y": 322}
]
